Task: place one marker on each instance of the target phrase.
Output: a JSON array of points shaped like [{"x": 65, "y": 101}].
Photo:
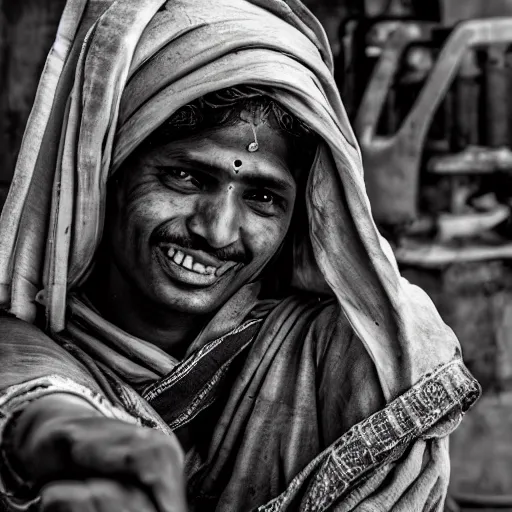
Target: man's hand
[
  {"x": 97, "y": 495},
  {"x": 61, "y": 437}
]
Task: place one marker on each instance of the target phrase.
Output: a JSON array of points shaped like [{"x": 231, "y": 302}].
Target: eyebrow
[{"x": 251, "y": 178}]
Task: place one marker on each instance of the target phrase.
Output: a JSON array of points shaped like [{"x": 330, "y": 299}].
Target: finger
[
  {"x": 168, "y": 492},
  {"x": 94, "y": 495},
  {"x": 103, "y": 445},
  {"x": 113, "y": 496},
  {"x": 114, "y": 449},
  {"x": 137, "y": 501},
  {"x": 66, "y": 497},
  {"x": 158, "y": 466},
  {"x": 152, "y": 458}
]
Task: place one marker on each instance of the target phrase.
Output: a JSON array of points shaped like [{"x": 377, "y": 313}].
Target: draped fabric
[{"x": 117, "y": 71}]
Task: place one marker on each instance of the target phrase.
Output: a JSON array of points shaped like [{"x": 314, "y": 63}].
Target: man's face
[{"x": 194, "y": 220}]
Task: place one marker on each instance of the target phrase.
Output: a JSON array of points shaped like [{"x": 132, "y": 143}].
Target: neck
[{"x": 125, "y": 307}]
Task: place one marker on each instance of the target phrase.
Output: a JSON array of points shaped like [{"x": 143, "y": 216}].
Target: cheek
[
  {"x": 265, "y": 237},
  {"x": 147, "y": 203}
]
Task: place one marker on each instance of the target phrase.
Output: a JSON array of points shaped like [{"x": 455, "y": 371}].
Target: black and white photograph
[{"x": 255, "y": 255}]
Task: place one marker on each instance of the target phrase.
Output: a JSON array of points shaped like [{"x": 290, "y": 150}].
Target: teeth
[
  {"x": 178, "y": 257},
  {"x": 199, "y": 268},
  {"x": 188, "y": 262}
]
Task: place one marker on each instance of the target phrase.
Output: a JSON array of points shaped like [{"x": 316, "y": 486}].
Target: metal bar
[
  {"x": 392, "y": 164},
  {"x": 466, "y": 103},
  {"x": 496, "y": 97}
]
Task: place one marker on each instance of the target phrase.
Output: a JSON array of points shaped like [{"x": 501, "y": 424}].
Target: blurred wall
[
  {"x": 27, "y": 30},
  {"x": 457, "y": 10}
]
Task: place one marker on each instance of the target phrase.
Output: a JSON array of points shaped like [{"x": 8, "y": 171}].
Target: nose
[{"x": 217, "y": 220}]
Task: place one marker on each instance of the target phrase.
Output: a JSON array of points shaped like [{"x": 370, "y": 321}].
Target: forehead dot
[{"x": 237, "y": 163}]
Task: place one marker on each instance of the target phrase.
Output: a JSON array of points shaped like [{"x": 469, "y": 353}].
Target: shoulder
[
  {"x": 316, "y": 320},
  {"x": 13, "y": 329},
  {"x": 348, "y": 386},
  {"x": 27, "y": 352}
]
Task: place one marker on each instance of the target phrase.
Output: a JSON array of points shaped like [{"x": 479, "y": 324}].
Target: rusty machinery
[
  {"x": 434, "y": 121},
  {"x": 431, "y": 107}
]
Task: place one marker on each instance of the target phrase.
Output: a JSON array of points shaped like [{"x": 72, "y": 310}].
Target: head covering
[{"x": 117, "y": 71}]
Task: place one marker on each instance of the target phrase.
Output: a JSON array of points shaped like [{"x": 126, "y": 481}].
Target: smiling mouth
[
  {"x": 193, "y": 268},
  {"x": 188, "y": 262}
]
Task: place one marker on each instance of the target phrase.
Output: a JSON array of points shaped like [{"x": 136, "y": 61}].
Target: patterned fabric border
[{"x": 380, "y": 438}]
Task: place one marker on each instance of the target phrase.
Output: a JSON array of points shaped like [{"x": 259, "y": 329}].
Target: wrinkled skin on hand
[{"x": 106, "y": 463}]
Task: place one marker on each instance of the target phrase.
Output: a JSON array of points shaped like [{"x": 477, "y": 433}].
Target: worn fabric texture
[{"x": 338, "y": 397}]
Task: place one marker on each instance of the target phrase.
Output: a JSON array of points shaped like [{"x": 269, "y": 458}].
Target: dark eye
[
  {"x": 261, "y": 196},
  {"x": 179, "y": 179},
  {"x": 179, "y": 174},
  {"x": 265, "y": 202}
]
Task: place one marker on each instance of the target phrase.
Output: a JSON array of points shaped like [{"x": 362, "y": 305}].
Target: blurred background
[{"x": 426, "y": 84}]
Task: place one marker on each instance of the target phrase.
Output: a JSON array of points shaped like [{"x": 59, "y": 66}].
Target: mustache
[{"x": 162, "y": 235}]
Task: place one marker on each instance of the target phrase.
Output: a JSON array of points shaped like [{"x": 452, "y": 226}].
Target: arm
[
  {"x": 417, "y": 482},
  {"x": 394, "y": 455},
  {"x": 57, "y": 425},
  {"x": 416, "y": 477},
  {"x": 26, "y": 354},
  {"x": 348, "y": 385}
]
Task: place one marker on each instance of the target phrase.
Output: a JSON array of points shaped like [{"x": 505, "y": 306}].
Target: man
[{"x": 188, "y": 232}]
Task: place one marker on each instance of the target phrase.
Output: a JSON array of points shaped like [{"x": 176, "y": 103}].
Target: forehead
[{"x": 220, "y": 147}]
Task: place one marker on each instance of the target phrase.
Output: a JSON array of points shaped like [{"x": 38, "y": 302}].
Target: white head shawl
[{"x": 117, "y": 70}]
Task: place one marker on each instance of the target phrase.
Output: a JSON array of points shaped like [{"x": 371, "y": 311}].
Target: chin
[{"x": 191, "y": 301}]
